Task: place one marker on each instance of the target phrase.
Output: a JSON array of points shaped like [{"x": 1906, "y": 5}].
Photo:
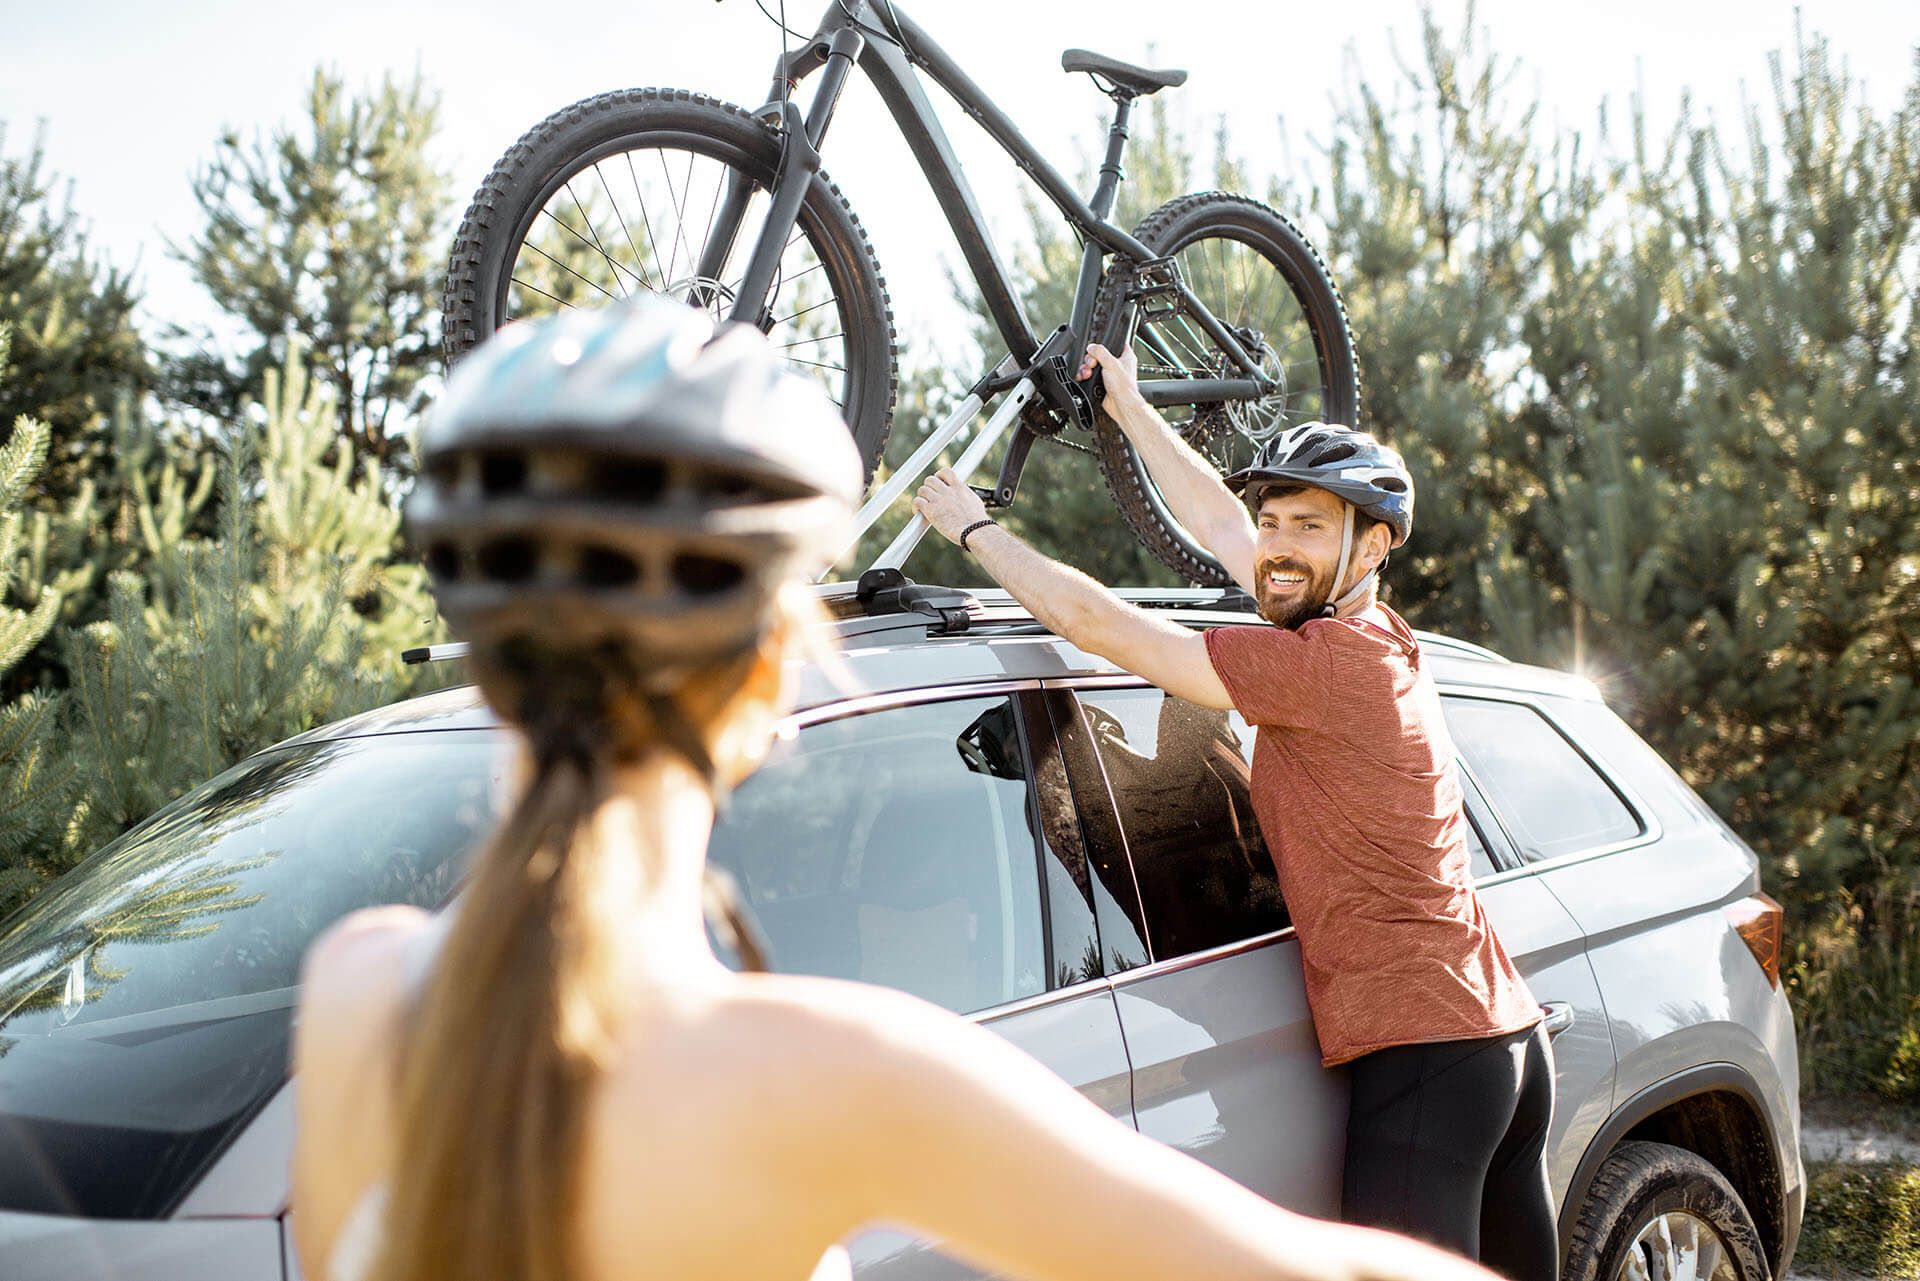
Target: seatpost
[
  {"x": 1093, "y": 257},
  {"x": 1110, "y": 171}
]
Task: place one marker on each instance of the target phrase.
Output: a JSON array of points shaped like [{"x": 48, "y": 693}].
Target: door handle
[{"x": 1559, "y": 1017}]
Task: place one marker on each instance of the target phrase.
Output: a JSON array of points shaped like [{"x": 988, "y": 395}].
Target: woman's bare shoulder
[{"x": 358, "y": 965}]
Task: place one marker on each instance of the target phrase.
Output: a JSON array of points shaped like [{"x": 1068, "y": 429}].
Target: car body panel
[
  {"x": 52, "y": 1247},
  {"x": 1076, "y": 1033},
  {"x": 1652, "y": 911},
  {"x": 252, "y": 1177},
  {"x": 1546, "y": 945},
  {"x": 1227, "y": 1069}
]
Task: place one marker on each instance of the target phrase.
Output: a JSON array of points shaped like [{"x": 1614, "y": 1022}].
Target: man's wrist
[{"x": 984, "y": 523}]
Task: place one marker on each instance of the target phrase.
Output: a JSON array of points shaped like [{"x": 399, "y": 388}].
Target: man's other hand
[
  {"x": 948, "y": 505},
  {"x": 1119, "y": 373}
]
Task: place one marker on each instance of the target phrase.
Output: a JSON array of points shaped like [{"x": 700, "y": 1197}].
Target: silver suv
[{"x": 977, "y": 812}]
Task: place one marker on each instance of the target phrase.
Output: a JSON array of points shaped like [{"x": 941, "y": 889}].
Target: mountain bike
[{"x": 1239, "y": 329}]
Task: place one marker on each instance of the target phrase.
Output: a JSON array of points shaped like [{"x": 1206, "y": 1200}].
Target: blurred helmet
[{"x": 628, "y": 476}]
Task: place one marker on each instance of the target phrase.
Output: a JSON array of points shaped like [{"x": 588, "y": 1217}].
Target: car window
[
  {"x": 899, "y": 847},
  {"x": 1549, "y": 797},
  {"x": 146, "y": 997},
  {"x": 1179, "y": 775}
]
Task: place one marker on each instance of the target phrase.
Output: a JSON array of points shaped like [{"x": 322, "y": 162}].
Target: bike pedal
[{"x": 988, "y": 495}]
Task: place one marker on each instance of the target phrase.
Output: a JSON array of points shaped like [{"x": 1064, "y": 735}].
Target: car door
[
  {"x": 927, "y": 843},
  {"x": 1645, "y": 868},
  {"x": 1212, "y": 1002},
  {"x": 1549, "y": 948}
]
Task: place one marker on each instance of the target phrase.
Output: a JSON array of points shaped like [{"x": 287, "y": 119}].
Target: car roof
[{"x": 901, "y": 650}]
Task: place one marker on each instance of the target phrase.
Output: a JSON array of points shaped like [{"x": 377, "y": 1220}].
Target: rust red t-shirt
[{"x": 1355, "y": 789}]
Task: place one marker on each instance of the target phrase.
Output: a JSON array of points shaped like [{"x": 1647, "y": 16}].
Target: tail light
[{"x": 1759, "y": 921}]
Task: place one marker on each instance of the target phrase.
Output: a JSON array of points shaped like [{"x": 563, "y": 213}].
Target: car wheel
[{"x": 1661, "y": 1213}]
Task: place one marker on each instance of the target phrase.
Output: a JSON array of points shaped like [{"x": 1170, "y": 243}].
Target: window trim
[
  {"x": 891, "y": 700},
  {"x": 1651, "y": 830},
  {"x": 1175, "y": 964}
]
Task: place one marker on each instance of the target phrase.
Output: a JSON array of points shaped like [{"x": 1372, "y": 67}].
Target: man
[{"x": 1355, "y": 789}]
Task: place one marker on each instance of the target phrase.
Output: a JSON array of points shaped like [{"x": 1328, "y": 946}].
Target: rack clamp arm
[{"x": 888, "y": 591}]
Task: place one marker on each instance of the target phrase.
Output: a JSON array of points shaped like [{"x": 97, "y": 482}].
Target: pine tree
[
  {"x": 332, "y": 230},
  {"x": 34, "y": 778},
  {"x": 292, "y": 614},
  {"x": 76, "y": 350}
]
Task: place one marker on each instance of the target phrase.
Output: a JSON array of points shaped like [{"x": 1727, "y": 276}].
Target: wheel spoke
[
  {"x": 625, "y": 229},
  {"x": 570, "y": 271},
  {"x": 597, "y": 246},
  {"x": 653, "y": 246}
]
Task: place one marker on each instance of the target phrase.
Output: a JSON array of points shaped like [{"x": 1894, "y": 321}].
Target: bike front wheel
[
  {"x": 628, "y": 193},
  {"x": 1255, "y": 272}
]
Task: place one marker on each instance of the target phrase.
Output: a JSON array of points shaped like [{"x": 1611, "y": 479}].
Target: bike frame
[{"x": 887, "y": 46}]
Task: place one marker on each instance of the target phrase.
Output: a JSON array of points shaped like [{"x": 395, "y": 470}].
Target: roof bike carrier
[
  {"x": 885, "y": 590},
  {"x": 909, "y": 472}
]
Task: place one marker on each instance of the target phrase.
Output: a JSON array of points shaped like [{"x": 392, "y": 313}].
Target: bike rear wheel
[
  {"x": 620, "y": 194},
  {"x": 1254, "y": 271}
]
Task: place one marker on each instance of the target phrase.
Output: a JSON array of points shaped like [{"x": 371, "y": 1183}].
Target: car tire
[{"x": 1649, "y": 1199}]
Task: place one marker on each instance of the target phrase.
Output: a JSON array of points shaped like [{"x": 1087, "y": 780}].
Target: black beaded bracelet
[{"x": 978, "y": 524}]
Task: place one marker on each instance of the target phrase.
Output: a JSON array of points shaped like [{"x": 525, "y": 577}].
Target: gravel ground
[{"x": 1841, "y": 1132}]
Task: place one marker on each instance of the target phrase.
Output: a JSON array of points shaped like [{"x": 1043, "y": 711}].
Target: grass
[{"x": 1863, "y": 1219}]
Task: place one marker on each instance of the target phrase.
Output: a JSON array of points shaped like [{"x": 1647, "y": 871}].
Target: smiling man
[{"x": 1355, "y": 788}]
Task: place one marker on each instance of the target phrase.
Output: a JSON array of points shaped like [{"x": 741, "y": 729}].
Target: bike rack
[{"x": 922, "y": 458}]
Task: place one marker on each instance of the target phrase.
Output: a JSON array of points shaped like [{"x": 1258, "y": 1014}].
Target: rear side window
[
  {"x": 1551, "y": 799},
  {"x": 1179, "y": 774},
  {"x": 898, "y": 847}
]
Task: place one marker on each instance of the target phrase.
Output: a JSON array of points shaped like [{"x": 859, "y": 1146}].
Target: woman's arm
[{"x": 972, "y": 1141}]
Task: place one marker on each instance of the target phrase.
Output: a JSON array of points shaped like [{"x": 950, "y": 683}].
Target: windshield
[{"x": 146, "y": 998}]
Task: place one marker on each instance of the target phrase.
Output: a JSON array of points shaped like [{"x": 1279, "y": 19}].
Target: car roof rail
[{"x": 435, "y": 653}]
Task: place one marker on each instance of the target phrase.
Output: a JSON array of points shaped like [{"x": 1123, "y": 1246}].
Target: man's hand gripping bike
[{"x": 1239, "y": 330}]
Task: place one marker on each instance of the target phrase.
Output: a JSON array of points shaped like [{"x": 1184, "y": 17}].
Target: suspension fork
[{"x": 799, "y": 162}]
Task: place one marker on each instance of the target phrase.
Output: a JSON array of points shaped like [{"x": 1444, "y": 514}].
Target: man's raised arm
[
  {"x": 1072, "y": 605},
  {"x": 1187, "y": 481}
]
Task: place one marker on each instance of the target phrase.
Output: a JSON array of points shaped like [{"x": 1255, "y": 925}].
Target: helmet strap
[{"x": 1333, "y": 607}]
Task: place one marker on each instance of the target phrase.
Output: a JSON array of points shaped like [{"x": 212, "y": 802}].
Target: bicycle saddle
[{"x": 1140, "y": 80}]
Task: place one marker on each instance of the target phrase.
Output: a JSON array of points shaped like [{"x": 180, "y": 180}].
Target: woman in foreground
[{"x": 558, "y": 1079}]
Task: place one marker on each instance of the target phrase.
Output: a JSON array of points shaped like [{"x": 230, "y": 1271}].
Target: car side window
[
  {"x": 897, "y": 847},
  {"x": 1179, "y": 775},
  {"x": 1549, "y": 797}
]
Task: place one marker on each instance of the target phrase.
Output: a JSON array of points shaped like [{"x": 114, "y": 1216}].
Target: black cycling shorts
[{"x": 1447, "y": 1142}]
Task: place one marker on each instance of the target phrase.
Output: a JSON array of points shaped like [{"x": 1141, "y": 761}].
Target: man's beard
[{"x": 1295, "y": 607}]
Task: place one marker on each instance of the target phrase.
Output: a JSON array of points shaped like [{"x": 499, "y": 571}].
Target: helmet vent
[
  {"x": 1337, "y": 453},
  {"x": 508, "y": 560},
  {"x": 628, "y": 480},
  {"x": 502, "y": 474},
  {"x": 443, "y": 561},
  {"x": 444, "y": 470},
  {"x": 722, "y": 486},
  {"x": 602, "y": 567},
  {"x": 1393, "y": 483},
  {"x": 705, "y": 575}
]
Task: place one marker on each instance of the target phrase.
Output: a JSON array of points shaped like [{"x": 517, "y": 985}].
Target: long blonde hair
[{"x": 522, "y": 1004}]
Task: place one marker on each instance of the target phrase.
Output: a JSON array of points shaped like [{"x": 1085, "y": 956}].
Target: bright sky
[{"x": 133, "y": 93}]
